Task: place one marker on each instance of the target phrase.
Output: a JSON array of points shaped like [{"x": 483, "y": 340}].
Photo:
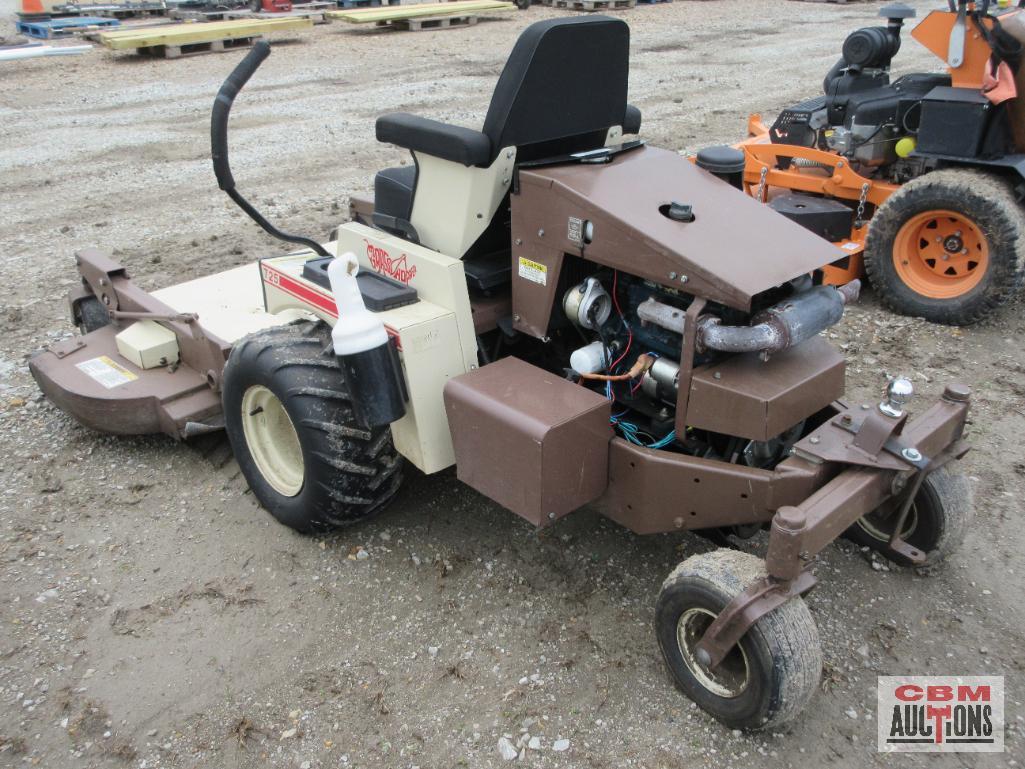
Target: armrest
[
  {"x": 448, "y": 142},
  {"x": 632, "y": 120}
]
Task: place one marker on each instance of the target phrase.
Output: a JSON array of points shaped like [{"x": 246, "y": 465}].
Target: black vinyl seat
[{"x": 562, "y": 88}]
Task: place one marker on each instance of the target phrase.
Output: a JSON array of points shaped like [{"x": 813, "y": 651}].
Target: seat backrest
[{"x": 562, "y": 88}]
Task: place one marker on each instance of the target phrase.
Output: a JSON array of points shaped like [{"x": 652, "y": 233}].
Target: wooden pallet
[
  {"x": 429, "y": 22},
  {"x": 191, "y": 49},
  {"x": 186, "y": 36},
  {"x": 464, "y": 8},
  {"x": 592, "y": 5}
]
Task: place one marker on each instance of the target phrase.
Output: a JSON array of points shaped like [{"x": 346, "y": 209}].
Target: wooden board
[
  {"x": 398, "y": 12},
  {"x": 201, "y": 32}
]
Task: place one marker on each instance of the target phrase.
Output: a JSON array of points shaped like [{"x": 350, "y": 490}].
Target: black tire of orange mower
[
  {"x": 983, "y": 200},
  {"x": 347, "y": 472}
]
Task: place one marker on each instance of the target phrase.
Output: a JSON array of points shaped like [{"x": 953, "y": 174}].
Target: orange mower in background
[{"x": 917, "y": 179}]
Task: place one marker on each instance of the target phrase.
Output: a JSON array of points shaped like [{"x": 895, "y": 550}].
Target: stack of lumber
[
  {"x": 421, "y": 15},
  {"x": 174, "y": 40}
]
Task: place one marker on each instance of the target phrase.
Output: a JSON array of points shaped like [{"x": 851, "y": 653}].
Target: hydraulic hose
[{"x": 219, "y": 144}]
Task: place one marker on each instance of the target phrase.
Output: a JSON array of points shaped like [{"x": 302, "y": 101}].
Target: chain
[
  {"x": 761, "y": 185},
  {"x": 859, "y": 219}
]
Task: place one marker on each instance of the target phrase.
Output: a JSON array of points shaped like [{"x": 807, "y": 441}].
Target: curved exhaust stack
[{"x": 783, "y": 325}]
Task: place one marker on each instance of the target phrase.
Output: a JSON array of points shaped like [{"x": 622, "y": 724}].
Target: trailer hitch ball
[{"x": 898, "y": 392}]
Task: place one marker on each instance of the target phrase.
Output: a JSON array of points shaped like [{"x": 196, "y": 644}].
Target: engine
[
  {"x": 630, "y": 334},
  {"x": 862, "y": 115}
]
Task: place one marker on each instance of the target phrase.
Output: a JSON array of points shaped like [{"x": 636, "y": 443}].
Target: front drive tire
[
  {"x": 769, "y": 677},
  {"x": 291, "y": 426}
]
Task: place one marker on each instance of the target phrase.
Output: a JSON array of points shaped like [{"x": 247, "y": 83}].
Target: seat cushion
[{"x": 393, "y": 191}]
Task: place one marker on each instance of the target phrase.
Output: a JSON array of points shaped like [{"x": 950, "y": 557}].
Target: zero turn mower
[
  {"x": 570, "y": 318},
  {"x": 917, "y": 179}
]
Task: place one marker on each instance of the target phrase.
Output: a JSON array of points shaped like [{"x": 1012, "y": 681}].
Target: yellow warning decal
[
  {"x": 106, "y": 372},
  {"x": 533, "y": 271}
]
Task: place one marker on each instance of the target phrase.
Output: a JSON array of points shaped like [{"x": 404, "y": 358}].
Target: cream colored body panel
[
  {"x": 454, "y": 204},
  {"x": 147, "y": 344},
  {"x": 435, "y": 336},
  {"x": 437, "y": 278}
]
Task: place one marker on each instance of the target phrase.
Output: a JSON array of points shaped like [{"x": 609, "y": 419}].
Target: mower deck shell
[{"x": 134, "y": 401}]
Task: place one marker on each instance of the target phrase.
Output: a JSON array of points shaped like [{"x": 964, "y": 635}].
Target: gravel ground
[{"x": 154, "y": 616}]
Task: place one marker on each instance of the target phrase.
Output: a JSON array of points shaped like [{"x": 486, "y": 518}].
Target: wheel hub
[
  {"x": 730, "y": 678},
  {"x": 272, "y": 440},
  {"x": 953, "y": 244}
]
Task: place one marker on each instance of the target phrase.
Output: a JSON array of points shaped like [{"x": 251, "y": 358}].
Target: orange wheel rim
[{"x": 940, "y": 254}]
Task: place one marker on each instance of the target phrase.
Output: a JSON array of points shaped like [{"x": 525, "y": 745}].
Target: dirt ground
[{"x": 152, "y": 615}]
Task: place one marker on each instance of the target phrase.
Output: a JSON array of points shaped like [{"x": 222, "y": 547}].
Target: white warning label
[{"x": 106, "y": 372}]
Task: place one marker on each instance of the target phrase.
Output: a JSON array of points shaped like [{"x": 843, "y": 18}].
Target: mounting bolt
[
  {"x": 672, "y": 276},
  {"x": 678, "y": 522},
  {"x": 958, "y": 393},
  {"x": 541, "y": 233},
  {"x": 684, "y": 278},
  {"x": 519, "y": 241},
  {"x": 911, "y": 454},
  {"x": 509, "y": 154},
  {"x": 717, "y": 375},
  {"x": 704, "y": 657},
  {"x": 846, "y": 419},
  {"x": 551, "y": 516},
  {"x": 814, "y": 439}
]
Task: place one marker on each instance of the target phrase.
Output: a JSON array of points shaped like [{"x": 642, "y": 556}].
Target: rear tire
[
  {"x": 948, "y": 246},
  {"x": 290, "y": 422},
  {"x": 769, "y": 677},
  {"x": 936, "y": 523}
]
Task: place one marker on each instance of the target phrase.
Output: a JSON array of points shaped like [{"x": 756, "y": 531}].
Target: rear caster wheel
[
  {"x": 935, "y": 525},
  {"x": 91, "y": 314},
  {"x": 948, "y": 246},
  {"x": 765, "y": 680},
  {"x": 291, "y": 426}
]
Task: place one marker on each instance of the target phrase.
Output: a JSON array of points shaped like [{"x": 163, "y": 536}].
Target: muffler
[{"x": 783, "y": 325}]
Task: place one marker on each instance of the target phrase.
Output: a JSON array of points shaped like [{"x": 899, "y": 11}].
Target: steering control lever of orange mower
[{"x": 219, "y": 144}]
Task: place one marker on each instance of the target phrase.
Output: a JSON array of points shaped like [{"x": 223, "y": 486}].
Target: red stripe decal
[{"x": 311, "y": 296}]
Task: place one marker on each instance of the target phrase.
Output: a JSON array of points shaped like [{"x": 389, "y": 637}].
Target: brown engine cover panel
[
  {"x": 756, "y": 399},
  {"x": 734, "y": 249},
  {"x": 529, "y": 440}
]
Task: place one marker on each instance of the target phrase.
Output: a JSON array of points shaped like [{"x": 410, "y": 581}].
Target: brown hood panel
[{"x": 735, "y": 248}]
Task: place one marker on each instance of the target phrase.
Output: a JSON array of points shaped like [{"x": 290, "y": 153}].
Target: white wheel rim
[
  {"x": 730, "y": 678},
  {"x": 272, "y": 440}
]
